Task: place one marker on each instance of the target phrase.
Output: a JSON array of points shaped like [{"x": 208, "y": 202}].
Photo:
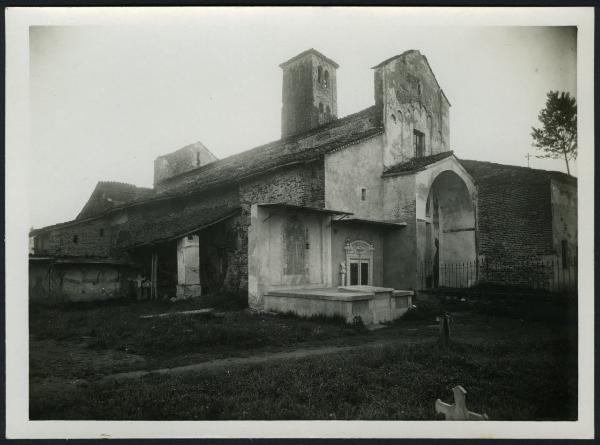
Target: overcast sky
[{"x": 106, "y": 101}]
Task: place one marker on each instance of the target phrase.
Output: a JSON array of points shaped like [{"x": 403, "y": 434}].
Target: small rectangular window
[
  {"x": 565, "y": 254},
  {"x": 363, "y": 194},
  {"x": 75, "y": 239},
  {"x": 419, "y": 143},
  {"x": 101, "y": 232}
]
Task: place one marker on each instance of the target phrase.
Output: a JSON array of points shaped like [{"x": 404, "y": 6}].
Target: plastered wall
[
  {"x": 348, "y": 172},
  {"x": 269, "y": 253}
]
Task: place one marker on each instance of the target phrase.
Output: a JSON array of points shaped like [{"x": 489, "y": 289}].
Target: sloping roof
[
  {"x": 298, "y": 148},
  {"x": 416, "y": 164},
  {"x": 173, "y": 226},
  {"x": 309, "y": 51},
  {"x": 492, "y": 172},
  {"x": 303, "y": 147},
  {"x": 281, "y": 205},
  {"x": 370, "y": 222},
  {"x": 108, "y": 195}
]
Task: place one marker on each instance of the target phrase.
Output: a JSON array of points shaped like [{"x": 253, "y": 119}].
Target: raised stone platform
[{"x": 372, "y": 304}]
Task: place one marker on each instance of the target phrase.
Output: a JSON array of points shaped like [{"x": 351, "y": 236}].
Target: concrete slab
[{"x": 322, "y": 294}]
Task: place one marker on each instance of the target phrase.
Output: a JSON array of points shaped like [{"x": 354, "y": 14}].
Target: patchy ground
[{"x": 282, "y": 367}]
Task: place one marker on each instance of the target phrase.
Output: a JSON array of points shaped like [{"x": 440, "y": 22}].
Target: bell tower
[{"x": 309, "y": 95}]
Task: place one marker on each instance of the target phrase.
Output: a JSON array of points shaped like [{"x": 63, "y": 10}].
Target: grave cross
[
  {"x": 528, "y": 157},
  {"x": 458, "y": 411}
]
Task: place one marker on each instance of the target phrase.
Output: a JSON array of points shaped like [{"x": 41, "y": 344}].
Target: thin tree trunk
[{"x": 567, "y": 162}]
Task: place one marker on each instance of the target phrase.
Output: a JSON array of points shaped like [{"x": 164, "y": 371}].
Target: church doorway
[
  {"x": 450, "y": 231},
  {"x": 359, "y": 258}
]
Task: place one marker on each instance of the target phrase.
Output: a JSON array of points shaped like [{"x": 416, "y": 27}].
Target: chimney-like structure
[{"x": 309, "y": 92}]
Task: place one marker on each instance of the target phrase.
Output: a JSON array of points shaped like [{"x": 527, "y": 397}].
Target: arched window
[
  {"x": 394, "y": 118},
  {"x": 326, "y": 82},
  {"x": 327, "y": 111},
  {"x": 320, "y": 108},
  {"x": 319, "y": 74}
]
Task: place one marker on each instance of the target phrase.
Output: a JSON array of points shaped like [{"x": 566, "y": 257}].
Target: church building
[{"x": 344, "y": 216}]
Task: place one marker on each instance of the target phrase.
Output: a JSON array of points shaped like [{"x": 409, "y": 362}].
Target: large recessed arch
[{"x": 450, "y": 230}]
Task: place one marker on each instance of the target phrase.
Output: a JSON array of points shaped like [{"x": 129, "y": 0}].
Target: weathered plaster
[
  {"x": 267, "y": 252},
  {"x": 350, "y": 170},
  {"x": 564, "y": 217},
  {"x": 188, "y": 267},
  {"x": 409, "y": 99}
]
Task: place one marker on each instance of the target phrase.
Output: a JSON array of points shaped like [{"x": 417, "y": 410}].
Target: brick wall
[{"x": 515, "y": 215}]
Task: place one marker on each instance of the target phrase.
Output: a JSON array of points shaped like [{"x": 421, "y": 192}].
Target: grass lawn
[
  {"x": 83, "y": 340},
  {"x": 513, "y": 369}
]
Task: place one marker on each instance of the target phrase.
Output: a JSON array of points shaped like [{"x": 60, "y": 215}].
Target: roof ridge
[
  {"x": 122, "y": 183},
  {"x": 282, "y": 141},
  {"x": 520, "y": 167}
]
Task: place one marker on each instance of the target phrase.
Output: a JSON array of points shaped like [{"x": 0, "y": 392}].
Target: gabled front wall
[{"x": 410, "y": 98}]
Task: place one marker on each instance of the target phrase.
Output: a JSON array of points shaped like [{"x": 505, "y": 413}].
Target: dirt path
[{"x": 263, "y": 358}]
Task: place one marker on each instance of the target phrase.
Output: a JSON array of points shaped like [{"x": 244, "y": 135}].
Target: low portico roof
[
  {"x": 371, "y": 222},
  {"x": 304, "y": 208},
  {"x": 416, "y": 164}
]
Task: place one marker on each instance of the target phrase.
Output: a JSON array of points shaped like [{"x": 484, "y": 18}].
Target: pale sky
[{"x": 106, "y": 101}]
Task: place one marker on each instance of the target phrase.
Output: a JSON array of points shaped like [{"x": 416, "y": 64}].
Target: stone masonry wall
[
  {"x": 302, "y": 93},
  {"x": 88, "y": 238},
  {"x": 135, "y": 225}
]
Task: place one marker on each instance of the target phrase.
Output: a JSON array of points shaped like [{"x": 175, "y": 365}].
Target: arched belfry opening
[{"x": 450, "y": 243}]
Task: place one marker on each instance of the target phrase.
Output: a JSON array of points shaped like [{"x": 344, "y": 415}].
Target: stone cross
[{"x": 458, "y": 411}]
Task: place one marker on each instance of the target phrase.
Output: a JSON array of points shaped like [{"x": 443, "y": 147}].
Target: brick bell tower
[{"x": 309, "y": 92}]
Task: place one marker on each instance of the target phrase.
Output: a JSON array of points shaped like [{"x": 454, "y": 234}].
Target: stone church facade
[{"x": 355, "y": 204}]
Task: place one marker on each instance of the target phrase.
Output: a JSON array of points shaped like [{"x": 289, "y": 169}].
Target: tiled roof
[
  {"x": 108, "y": 195},
  {"x": 302, "y": 147},
  {"x": 299, "y": 148},
  {"x": 491, "y": 171},
  {"x": 416, "y": 164},
  {"x": 172, "y": 226}
]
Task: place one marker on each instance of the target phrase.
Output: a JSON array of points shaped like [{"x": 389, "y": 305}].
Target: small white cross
[{"x": 458, "y": 411}]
